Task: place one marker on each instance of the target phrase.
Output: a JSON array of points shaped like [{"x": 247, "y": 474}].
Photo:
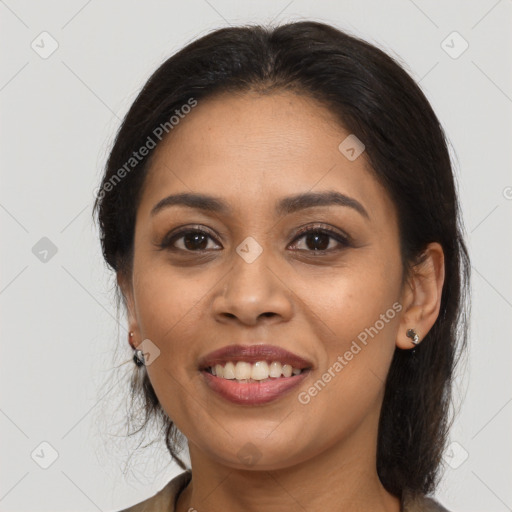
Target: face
[{"x": 247, "y": 274}]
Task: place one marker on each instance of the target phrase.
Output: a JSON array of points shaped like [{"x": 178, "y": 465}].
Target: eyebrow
[{"x": 286, "y": 205}]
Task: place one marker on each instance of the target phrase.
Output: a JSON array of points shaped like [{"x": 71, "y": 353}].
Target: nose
[{"x": 252, "y": 291}]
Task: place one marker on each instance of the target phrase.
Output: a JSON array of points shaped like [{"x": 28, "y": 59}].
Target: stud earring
[{"x": 411, "y": 333}]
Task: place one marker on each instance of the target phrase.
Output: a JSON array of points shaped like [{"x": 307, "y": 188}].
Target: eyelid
[{"x": 322, "y": 227}]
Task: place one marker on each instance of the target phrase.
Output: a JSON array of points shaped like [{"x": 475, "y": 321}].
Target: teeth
[
  {"x": 219, "y": 370},
  {"x": 258, "y": 371},
  {"x": 229, "y": 370},
  {"x": 287, "y": 370},
  {"x": 242, "y": 370},
  {"x": 275, "y": 369}
]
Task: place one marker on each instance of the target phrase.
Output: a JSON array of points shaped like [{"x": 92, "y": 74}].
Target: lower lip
[{"x": 253, "y": 393}]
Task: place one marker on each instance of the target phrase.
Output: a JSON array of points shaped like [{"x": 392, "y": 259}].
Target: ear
[
  {"x": 126, "y": 287},
  {"x": 421, "y": 296}
]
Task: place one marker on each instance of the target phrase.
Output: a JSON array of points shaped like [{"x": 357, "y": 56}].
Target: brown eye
[
  {"x": 191, "y": 240},
  {"x": 319, "y": 239},
  {"x": 316, "y": 240}
]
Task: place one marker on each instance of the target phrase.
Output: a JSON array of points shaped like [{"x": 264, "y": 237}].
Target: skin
[{"x": 250, "y": 151}]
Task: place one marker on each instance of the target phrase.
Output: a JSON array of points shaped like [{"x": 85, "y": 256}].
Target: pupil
[
  {"x": 314, "y": 238},
  {"x": 195, "y": 237}
]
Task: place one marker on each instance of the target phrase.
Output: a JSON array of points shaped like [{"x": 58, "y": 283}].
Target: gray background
[{"x": 59, "y": 327}]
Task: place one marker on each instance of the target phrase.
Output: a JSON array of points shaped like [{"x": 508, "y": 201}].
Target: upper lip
[{"x": 252, "y": 354}]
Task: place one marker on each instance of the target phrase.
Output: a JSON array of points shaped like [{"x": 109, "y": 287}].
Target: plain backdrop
[{"x": 69, "y": 72}]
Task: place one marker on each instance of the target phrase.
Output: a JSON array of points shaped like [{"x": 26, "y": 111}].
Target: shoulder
[
  {"x": 165, "y": 498},
  {"x": 412, "y": 502}
]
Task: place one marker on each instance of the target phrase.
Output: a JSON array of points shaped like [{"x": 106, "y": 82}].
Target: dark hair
[{"x": 374, "y": 98}]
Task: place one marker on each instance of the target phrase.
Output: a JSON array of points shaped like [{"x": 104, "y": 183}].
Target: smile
[
  {"x": 252, "y": 374},
  {"x": 260, "y": 371}
]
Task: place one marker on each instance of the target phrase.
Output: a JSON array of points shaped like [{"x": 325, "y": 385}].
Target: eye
[
  {"x": 191, "y": 240},
  {"x": 318, "y": 239}
]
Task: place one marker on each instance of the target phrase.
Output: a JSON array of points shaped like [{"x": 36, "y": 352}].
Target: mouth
[{"x": 253, "y": 375}]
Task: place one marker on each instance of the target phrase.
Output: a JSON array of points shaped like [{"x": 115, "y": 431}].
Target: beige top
[{"x": 165, "y": 499}]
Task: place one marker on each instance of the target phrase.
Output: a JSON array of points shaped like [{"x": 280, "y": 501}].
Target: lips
[
  {"x": 251, "y": 392},
  {"x": 253, "y": 354}
]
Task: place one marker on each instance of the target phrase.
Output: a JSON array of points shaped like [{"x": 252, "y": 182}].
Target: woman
[{"x": 280, "y": 211}]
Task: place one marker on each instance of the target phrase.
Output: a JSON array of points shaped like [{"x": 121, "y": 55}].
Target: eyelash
[{"x": 343, "y": 240}]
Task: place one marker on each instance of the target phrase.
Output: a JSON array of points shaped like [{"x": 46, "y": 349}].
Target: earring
[
  {"x": 138, "y": 358},
  {"x": 138, "y": 355},
  {"x": 411, "y": 333}
]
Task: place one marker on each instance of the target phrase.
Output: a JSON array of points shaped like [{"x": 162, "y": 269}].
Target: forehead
[{"x": 251, "y": 149}]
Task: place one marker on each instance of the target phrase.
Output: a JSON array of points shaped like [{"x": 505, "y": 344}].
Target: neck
[{"x": 342, "y": 477}]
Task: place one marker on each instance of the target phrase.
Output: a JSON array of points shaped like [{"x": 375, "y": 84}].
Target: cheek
[
  {"x": 168, "y": 310},
  {"x": 169, "y": 314},
  {"x": 356, "y": 319},
  {"x": 357, "y": 352},
  {"x": 348, "y": 300}
]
